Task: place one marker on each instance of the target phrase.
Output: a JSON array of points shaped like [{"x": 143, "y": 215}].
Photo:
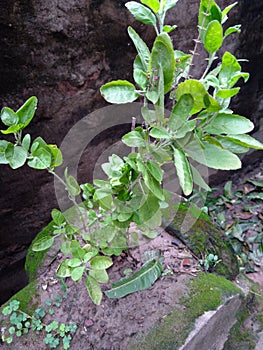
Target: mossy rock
[
  {"x": 196, "y": 230},
  {"x": 205, "y": 293}
]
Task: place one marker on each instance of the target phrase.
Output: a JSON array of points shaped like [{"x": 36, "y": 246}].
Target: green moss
[
  {"x": 28, "y": 298},
  {"x": 206, "y": 292},
  {"x": 34, "y": 259}
]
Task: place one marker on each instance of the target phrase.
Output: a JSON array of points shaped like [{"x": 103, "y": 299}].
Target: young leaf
[
  {"x": 57, "y": 217},
  {"x": 196, "y": 90},
  {"x": 159, "y": 132},
  {"x": 183, "y": 171},
  {"x": 229, "y": 68},
  {"x": 133, "y": 139},
  {"x": 77, "y": 273},
  {"x": 27, "y": 111},
  {"x": 94, "y": 290},
  {"x": 167, "y": 5},
  {"x": 141, "y": 280},
  {"x": 139, "y": 73},
  {"x": 227, "y": 93},
  {"x": 9, "y": 117},
  {"x": 100, "y": 276},
  {"x": 119, "y": 91},
  {"x": 63, "y": 270},
  {"x": 43, "y": 244},
  {"x": 229, "y": 124},
  {"x": 3, "y": 146},
  {"x": 163, "y": 55},
  {"x": 226, "y": 10},
  {"x": 15, "y": 155},
  {"x": 153, "y": 4},
  {"x": 141, "y": 13},
  {"x": 41, "y": 159},
  {"x": 141, "y": 47},
  {"x": 26, "y": 142},
  {"x": 181, "y": 112},
  {"x": 100, "y": 263},
  {"x": 213, "y": 37},
  {"x": 234, "y": 29},
  {"x": 56, "y": 156},
  {"x": 72, "y": 185},
  {"x": 168, "y": 28}
]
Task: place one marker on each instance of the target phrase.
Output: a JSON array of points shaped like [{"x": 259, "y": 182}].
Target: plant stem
[{"x": 71, "y": 198}]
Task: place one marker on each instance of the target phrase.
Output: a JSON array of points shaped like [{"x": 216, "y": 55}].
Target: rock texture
[{"x": 63, "y": 52}]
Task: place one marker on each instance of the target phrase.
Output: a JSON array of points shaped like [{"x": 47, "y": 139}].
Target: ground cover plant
[{"x": 201, "y": 129}]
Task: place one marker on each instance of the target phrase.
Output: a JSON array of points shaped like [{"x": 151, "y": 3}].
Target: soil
[{"x": 113, "y": 324}]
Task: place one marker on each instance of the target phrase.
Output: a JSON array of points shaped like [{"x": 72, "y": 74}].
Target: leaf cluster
[{"x": 21, "y": 323}]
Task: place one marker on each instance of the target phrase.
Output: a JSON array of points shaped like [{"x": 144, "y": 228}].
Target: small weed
[{"x": 21, "y": 323}]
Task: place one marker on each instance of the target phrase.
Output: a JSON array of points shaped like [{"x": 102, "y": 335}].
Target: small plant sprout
[{"x": 209, "y": 262}]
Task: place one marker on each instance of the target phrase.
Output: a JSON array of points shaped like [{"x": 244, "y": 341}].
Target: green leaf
[
  {"x": 27, "y": 111},
  {"x": 63, "y": 269},
  {"x": 94, "y": 290},
  {"x": 100, "y": 276},
  {"x": 213, "y": 37},
  {"x": 227, "y": 93},
  {"x": 41, "y": 159},
  {"x": 230, "y": 145},
  {"x": 43, "y": 244},
  {"x": 72, "y": 184},
  {"x": 159, "y": 132},
  {"x": 149, "y": 115},
  {"x": 208, "y": 12},
  {"x": 183, "y": 171},
  {"x": 77, "y": 273},
  {"x": 141, "y": 280},
  {"x": 148, "y": 209},
  {"x": 246, "y": 141},
  {"x": 212, "y": 156},
  {"x": 168, "y": 28},
  {"x": 3, "y": 146},
  {"x": 229, "y": 124},
  {"x": 167, "y": 4},
  {"x": 133, "y": 139},
  {"x": 153, "y": 4},
  {"x": 181, "y": 112},
  {"x": 15, "y": 155},
  {"x": 196, "y": 90},
  {"x": 198, "y": 180},
  {"x": 75, "y": 262},
  {"x": 226, "y": 10},
  {"x": 229, "y": 68},
  {"x": 26, "y": 142},
  {"x": 141, "y": 13},
  {"x": 141, "y": 47},
  {"x": 163, "y": 55},
  {"x": 57, "y": 217},
  {"x": 155, "y": 170},
  {"x": 100, "y": 263},
  {"x": 153, "y": 185},
  {"x": 119, "y": 91},
  {"x": 234, "y": 29},
  {"x": 56, "y": 156},
  {"x": 139, "y": 73},
  {"x": 9, "y": 117}
]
